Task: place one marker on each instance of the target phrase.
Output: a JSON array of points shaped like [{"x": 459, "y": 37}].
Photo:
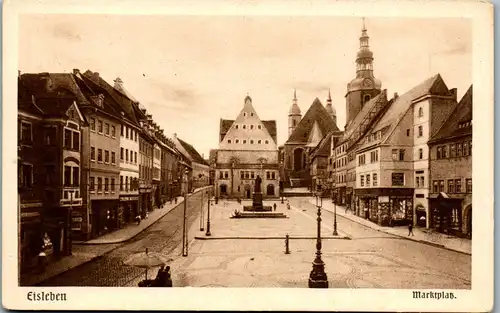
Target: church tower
[
  {"x": 294, "y": 115},
  {"x": 330, "y": 109},
  {"x": 365, "y": 86}
]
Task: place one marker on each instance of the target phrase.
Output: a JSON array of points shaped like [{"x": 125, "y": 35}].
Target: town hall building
[{"x": 247, "y": 149}]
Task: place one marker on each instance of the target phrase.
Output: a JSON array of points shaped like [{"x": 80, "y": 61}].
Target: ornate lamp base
[{"x": 318, "y": 278}]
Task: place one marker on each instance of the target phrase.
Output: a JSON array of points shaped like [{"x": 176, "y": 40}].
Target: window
[
  {"x": 244, "y": 141},
  {"x": 466, "y": 149},
  {"x": 226, "y": 175},
  {"x": 459, "y": 149},
  {"x": 375, "y": 182},
  {"x": 362, "y": 180},
  {"x": 132, "y": 156},
  {"x": 112, "y": 187},
  {"x": 252, "y": 175},
  {"x": 420, "y": 154},
  {"x": 366, "y": 98},
  {"x": 229, "y": 141},
  {"x": 441, "y": 186},
  {"x": 453, "y": 151},
  {"x": 76, "y": 176},
  {"x": 99, "y": 184},
  {"x": 445, "y": 152},
  {"x": 99, "y": 126},
  {"x": 236, "y": 126},
  {"x": 106, "y": 156},
  {"x": 121, "y": 182},
  {"x": 420, "y": 112},
  {"x": 242, "y": 175},
  {"x": 458, "y": 185},
  {"x": 374, "y": 156},
  {"x": 368, "y": 180},
  {"x": 49, "y": 136},
  {"x": 251, "y": 142},
  {"x": 113, "y": 131},
  {"x": 136, "y": 136},
  {"x": 259, "y": 142},
  {"x": 468, "y": 187},
  {"x": 92, "y": 153},
  {"x": 438, "y": 153},
  {"x": 135, "y": 157},
  {"x": 50, "y": 174},
  {"x": 247, "y": 175},
  {"x": 126, "y": 132},
  {"x": 126, "y": 155},
  {"x": 67, "y": 176},
  {"x": 122, "y": 131},
  {"x": 92, "y": 183},
  {"x": 259, "y": 126},
  {"x": 26, "y": 175},
  {"x": 244, "y": 114},
  {"x": 99, "y": 155},
  {"x": 361, "y": 159},
  {"x": 435, "y": 186},
  {"x": 401, "y": 154},
  {"x": 451, "y": 186},
  {"x": 420, "y": 131},
  {"x": 244, "y": 126},
  {"x": 267, "y": 142},
  {"x": 106, "y": 129},
  {"x": 251, "y": 114},
  {"x": 268, "y": 175},
  {"x": 126, "y": 183},
  {"x": 395, "y": 154},
  {"x": 398, "y": 179},
  {"x": 92, "y": 124},
  {"x": 121, "y": 154},
  {"x": 113, "y": 157},
  {"x": 408, "y": 133},
  {"x": 273, "y": 175},
  {"x": 237, "y": 141},
  {"x": 251, "y": 126},
  {"x": 67, "y": 138}
]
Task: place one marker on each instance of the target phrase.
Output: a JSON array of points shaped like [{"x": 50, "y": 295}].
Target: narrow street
[{"x": 108, "y": 270}]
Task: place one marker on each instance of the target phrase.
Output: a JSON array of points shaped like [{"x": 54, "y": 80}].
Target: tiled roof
[
  {"x": 353, "y": 125},
  {"x": 324, "y": 146},
  {"x": 25, "y": 100},
  {"x": 316, "y": 113},
  {"x": 196, "y": 157},
  {"x": 461, "y": 113},
  {"x": 225, "y": 125},
  {"x": 433, "y": 85}
]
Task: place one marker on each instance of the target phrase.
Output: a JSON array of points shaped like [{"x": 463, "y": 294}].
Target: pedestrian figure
[
  {"x": 138, "y": 219},
  {"x": 274, "y": 207},
  {"x": 410, "y": 229},
  {"x": 288, "y": 205},
  {"x": 167, "y": 277},
  {"x": 176, "y": 200}
]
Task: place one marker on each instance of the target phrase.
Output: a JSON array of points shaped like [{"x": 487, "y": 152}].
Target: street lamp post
[
  {"x": 184, "y": 228},
  {"x": 201, "y": 214},
  {"x": 318, "y": 278},
  {"x": 208, "y": 214}
]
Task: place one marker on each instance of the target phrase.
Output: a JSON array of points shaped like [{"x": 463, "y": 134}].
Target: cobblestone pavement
[
  {"x": 108, "y": 270},
  {"x": 369, "y": 260}
]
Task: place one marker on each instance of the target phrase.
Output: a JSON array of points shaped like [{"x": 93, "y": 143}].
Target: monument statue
[{"x": 258, "y": 181}]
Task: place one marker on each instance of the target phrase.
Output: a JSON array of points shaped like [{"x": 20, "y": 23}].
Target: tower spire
[
  {"x": 364, "y": 27},
  {"x": 294, "y": 96},
  {"x": 329, "y": 95}
]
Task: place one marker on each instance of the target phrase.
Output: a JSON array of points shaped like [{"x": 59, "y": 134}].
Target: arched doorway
[
  {"x": 223, "y": 189},
  {"x": 270, "y": 190},
  {"x": 298, "y": 155},
  {"x": 468, "y": 221}
]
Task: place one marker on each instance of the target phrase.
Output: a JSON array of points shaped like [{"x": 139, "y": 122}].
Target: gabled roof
[
  {"x": 225, "y": 125},
  {"x": 353, "y": 125},
  {"x": 195, "y": 156},
  {"x": 324, "y": 146},
  {"x": 25, "y": 99},
  {"x": 314, "y": 136},
  {"x": 316, "y": 113},
  {"x": 462, "y": 113}
]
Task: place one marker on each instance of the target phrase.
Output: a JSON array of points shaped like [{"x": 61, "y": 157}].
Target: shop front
[
  {"x": 447, "y": 215},
  {"x": 104, "y": 216},
  {"x": 128, "y": 210},
  {"x": 386, "y": 206},
  {"x": 145, "y": 201},
  {"x": 31, "y": 236}
]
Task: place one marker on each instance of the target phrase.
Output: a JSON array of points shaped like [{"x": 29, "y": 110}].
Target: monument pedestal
[{"x": 257, "y": 201}]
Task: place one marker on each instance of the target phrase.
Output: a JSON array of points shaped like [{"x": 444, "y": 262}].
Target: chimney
[
  {"x": 19, "y": 73},
  {"x": 453, "y": 92},
  {"x": 175, "y": 135},
  {"x": 95, "y": 76},
  {"x": 118, "y": 83},
  {"x": 76, "y": 71},
  {"x": 396, "y": 95}
]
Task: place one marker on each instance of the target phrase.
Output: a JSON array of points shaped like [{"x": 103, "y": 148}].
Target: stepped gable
[
  {"x": 225, "y": 125},
  {"x": 462, "y": 113},
  {"x": 315, "y": 113},
  {"x": 195, "y": 156}
]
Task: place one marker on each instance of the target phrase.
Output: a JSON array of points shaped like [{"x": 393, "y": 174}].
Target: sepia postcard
[{"x": 248, "y": 155}]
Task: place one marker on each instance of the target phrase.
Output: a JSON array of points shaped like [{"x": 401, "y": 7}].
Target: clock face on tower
[{"x": 367, "y": 83}]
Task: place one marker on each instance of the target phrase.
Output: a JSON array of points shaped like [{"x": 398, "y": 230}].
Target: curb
[
  {"x": 407, "y": 238},
  {"x": 270, "y": 237}
]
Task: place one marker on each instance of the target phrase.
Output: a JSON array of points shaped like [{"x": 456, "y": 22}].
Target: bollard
[{"x": 287, "y": 244}]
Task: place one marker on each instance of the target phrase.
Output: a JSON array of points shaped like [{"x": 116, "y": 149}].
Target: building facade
[
  {"x": 450, "y": 181},
  {"x": 247, "y": 149}
]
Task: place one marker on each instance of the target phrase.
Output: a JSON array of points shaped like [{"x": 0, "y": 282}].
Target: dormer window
[
  {"x": 236, "y": 126},
  {"x": 259, "y": 127},
  {"x": 98, "y": 100},
  {"x": 244, "y": 114},
  {"x": 244, "y": 126}
]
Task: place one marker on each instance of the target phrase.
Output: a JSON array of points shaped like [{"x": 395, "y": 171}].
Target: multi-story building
[
  {"x": 247, "y": 149},
  {"x": 199, "y": 170},
  {"x": 169, "y": 164},
  {"x": 50, "y": 126},
  {"x": 156, "y": 171},
  {"x": 101, "y": 148},
  {"x": 319, "y": 165},
  {"x": 450, "y": 173},
  {"x": 146, "y": 143}
]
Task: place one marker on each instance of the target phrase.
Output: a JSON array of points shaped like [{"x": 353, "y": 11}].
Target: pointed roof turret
[
  {"x": 329, "y": 107},
  {"x": 294, "y": 109}
]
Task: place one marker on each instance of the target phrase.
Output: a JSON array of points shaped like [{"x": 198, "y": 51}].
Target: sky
[{"x": 191, "y": 71}]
